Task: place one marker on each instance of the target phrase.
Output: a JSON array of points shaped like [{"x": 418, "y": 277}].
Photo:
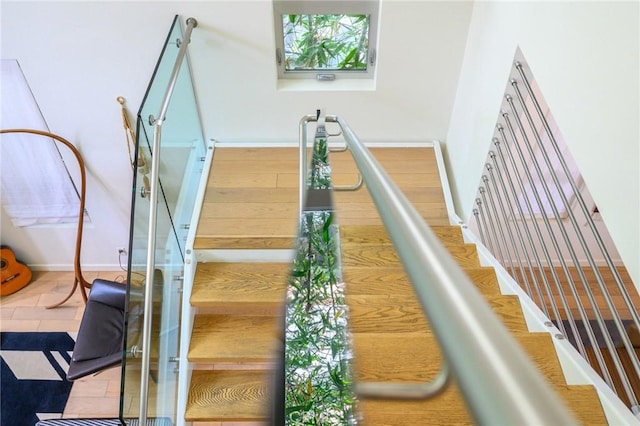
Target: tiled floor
[{"x": 93, "y": 396}]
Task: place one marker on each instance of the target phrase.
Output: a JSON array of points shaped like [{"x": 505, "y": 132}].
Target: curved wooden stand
[{"x": 79, "y": 280}]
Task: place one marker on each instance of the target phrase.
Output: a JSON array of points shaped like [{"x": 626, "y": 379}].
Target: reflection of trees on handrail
[{"x": 79, "y": 280}]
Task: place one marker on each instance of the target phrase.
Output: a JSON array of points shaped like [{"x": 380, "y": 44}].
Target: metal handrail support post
[
  {"x": 498, "y": 381},
  {"x": 153, "y": 222},
  {"x": 403, "y": 391},
  {"x": 302, "y": 160},
  {"x": 353, "y": 187}
]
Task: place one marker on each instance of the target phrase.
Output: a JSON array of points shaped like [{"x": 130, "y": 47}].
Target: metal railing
[
  {"x": 499, "y": 383},
  {"x": 302, "y": 159},
  {"x": 191, "y": 23},
  {"x": 536, "y": 218}
]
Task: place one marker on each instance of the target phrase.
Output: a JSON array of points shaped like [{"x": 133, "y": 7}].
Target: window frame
[{"x": 329, "y": 7}]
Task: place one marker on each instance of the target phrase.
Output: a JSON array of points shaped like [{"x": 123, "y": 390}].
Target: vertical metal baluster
[
  {"x": 494, "y": 210},
  {"x": 523, "y": 219},
  {"x": 563, "y": 264},
  {"x": 505, "y": 218},
  {"x": 616, "y": 317},
  {"x": 489, "y": 218},
  {"x": 302, "y": 161},
  {"x": 580, "y": 199},
  {"x": 484, "y": 222},
  {"x": 476, "y": 213},
  {"x": 554, "y": 307}
]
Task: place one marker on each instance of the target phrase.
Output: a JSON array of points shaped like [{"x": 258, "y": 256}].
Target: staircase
[
  {"x": 393, "y": 342},
  {"x": 250, "y": 210},
  {"x": 249, "y": 217}
]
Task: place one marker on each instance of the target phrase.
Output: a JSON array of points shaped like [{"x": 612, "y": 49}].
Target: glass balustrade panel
[{"x": 181, "y": 156}]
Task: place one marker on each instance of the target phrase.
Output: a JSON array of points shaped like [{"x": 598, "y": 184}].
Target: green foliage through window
[{"x": 325, "y": 42}]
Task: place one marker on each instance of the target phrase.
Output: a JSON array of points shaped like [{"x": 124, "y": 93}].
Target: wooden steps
[
  {"x": 377, "y": 235},
  {"x": 393, "y": 340},
  {"x": 579, "y": 398},
  {"x": 415, "y": 357},
  {"x": 392, "y": 280},
  {"x": 241, "y": 286},
  {"x": 234, "y": 339},
  {"x": 235, "y": 395},
  {"x": 251, "y": 203},
  {"x": 627, "y": 365},
  {"x": 371, "y": 245},
  {"x": 402, "y": 313},
  {"x": 372, "y": 255}
]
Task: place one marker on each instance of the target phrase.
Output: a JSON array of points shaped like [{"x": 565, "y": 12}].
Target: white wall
[
  {"x": 585, "y": 58},
  {"x": 420, "y": 52},
  {"x": 79, "y": 56}
]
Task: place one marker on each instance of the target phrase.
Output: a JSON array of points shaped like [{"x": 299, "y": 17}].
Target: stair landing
[{"x": 251, "y": 200}]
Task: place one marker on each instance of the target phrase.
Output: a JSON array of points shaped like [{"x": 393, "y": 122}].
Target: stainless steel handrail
[
  {"x": 302, "y": 161},
  {"x": 498, "y": 382},
  {"x": 153, "y": 222}
]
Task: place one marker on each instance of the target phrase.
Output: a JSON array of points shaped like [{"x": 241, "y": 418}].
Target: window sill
[{"x": 338, "y": 85}]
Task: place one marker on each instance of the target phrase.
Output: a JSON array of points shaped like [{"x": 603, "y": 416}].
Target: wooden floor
[
  {"x": 252, "y": 194},
  {"x": 93, "y": 396},
  {"x": 418, "y": 178},
  {"x": 582, "y": 295}
]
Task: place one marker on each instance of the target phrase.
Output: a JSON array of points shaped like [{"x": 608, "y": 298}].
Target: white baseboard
[{"x": 64, "y": 267}]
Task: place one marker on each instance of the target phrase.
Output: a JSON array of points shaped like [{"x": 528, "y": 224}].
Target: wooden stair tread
[
  {"x": 414, "y": 357},
  {"x": 485, "y": 280},
  {"x": 403, "y": 314},
  {"x": 372, "y": 234},
  {"x": 447, "y": 409},
  {"x": 411, "y": 189},
  {"x": 227, "y": 285},
  {"x": 393, "y": 280},
  {"x": 247, "y": 233},
  {"x": 251, "y": 209},
  {"x": 216, "y": 195},
  {"x": 584, "y": 402},
  {"x": 233, "y": 338},
  {"x": 238, "y": 395},
  {"x": 385, "y": 255},
  {"x": 433, "y": 220},
  {"x": 348, "y": 213}
]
